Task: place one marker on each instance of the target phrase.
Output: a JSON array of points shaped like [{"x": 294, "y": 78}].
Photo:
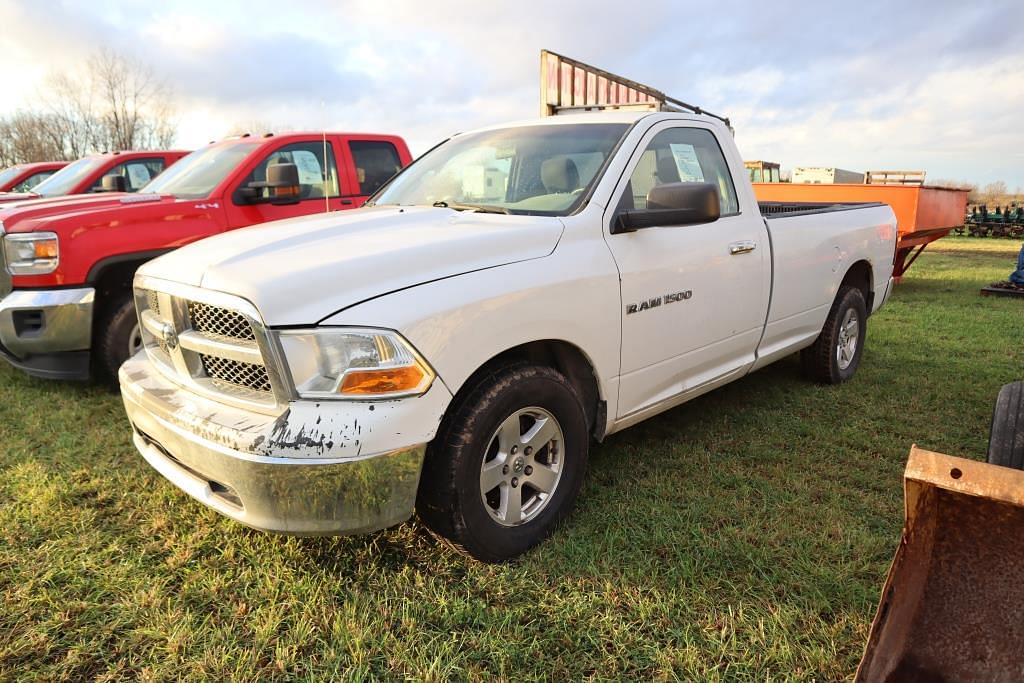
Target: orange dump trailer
[{"x": 923, "y": 214}]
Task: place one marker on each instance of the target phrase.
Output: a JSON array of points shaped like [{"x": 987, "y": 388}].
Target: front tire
[
  {"x": 835, "y": 355},
  {"x": 1006, "y": 437},
  {"x": 507, "y": 464},
  {"x": 117, "y": 339}
]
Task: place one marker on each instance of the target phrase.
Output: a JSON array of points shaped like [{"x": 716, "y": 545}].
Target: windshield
[
  {"x": 196, "y": 175},
  {"x": 9, "y": 174},
  {"x": 543, "y": 170},
  {"x": 64, "y": 181}
]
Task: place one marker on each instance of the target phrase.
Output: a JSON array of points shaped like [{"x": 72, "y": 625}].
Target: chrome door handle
[{"x": 742, "y": 247}]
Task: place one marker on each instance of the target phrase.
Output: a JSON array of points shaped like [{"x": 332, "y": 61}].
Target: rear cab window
[{"x": 375, "y": 162}]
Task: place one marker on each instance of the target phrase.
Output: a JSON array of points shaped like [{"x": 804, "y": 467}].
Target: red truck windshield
[
  {"x": 64, "y": 181},
  {"x": 541, "y": 170},
  {"x": 198, "y": 174}
]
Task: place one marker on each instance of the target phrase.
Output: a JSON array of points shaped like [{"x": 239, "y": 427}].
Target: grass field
[{"x": 745, "y": 535}]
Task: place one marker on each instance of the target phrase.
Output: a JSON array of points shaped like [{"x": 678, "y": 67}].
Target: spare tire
[{"x": 1006, "y": 439}]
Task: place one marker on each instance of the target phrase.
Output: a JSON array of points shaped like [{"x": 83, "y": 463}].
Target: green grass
[{"x": 745, "y": 535}]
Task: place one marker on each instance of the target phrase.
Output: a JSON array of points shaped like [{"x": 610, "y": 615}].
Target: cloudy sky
[{"x": 860, "y": 85}]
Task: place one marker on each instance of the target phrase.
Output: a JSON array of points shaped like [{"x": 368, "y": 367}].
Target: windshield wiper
[{"x": 476, "y": 208}]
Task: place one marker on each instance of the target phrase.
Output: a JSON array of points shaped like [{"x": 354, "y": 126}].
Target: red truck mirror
[
  {"x": 672, "y": 204},
  {"x": 113, "y": 183}
]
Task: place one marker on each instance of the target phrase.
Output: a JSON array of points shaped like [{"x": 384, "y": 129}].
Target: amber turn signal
[
  {"x": 383, "y": 381},
  {"x": 45, "y": 250}
]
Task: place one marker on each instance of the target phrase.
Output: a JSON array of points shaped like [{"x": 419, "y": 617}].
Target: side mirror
[
  {"x": 114, "y": 183},
  {"x": 672, "y": 204},
  {"x": 282, "y": 181}
]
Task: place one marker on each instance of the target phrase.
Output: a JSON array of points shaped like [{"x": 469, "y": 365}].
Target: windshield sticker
[
  {"x": 686, "y": 161},
  {"x": 309, "y": 167},
  {"x": 138, "y": 175}
]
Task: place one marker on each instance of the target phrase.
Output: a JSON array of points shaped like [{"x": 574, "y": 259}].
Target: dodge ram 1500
[{"x": 453, "y": 347}]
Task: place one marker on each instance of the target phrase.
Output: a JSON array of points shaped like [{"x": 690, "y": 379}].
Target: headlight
[
  {"x": 347, "y": 363},
  {"x": 31, "y": 253}
]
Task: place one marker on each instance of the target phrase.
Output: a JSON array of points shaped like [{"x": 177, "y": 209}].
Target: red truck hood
[
  {"x": 29, "y": 216},
  {"x": 10, "y": 197}
]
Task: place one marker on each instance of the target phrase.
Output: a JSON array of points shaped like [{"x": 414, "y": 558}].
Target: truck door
[
  {"x": 694, "y": 297},
  {"x": 318, "y": 182}
]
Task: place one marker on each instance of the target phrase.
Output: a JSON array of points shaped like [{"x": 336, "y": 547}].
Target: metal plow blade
[{"x": 952, "y": 608}]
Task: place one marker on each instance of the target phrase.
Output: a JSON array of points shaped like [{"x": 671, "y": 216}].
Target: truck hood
[
  {"x": 21, "y": 216},
  {"x": 11, "y": 197},
  {"x": 300, "y": 271}
]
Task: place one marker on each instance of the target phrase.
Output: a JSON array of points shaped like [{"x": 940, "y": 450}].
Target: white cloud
[{"x": 935, "y": 85}]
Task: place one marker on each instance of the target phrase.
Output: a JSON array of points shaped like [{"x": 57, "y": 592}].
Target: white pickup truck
[{"x": 453, "y": 347}]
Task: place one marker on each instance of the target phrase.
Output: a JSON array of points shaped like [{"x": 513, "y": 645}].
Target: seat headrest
[
  {"x": 559, "y": 175},
  {"x": 668, "y": 172}
]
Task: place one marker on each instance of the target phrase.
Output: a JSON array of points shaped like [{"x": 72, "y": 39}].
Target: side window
[
  {"x": 33, "y": 180},
  {"x": 375, "y": 163},
  {"x": 316, "y": 179},
  {"x": 689, "y": 155},
  {"x": 137, "y": 173}
]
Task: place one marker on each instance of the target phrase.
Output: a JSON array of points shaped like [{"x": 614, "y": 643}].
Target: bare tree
[
  {"x": 953, "y": 184},
  {"x": 114, "y": 103},
  {"x": 133, "y": 104},
  {"x": 70, "y": 105},
  {"x": 30, "y": 136}
]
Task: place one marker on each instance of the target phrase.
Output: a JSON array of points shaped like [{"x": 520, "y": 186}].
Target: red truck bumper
[{"x": 47, "y": 332}]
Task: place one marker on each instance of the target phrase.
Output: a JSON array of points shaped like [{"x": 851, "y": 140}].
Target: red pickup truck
[
  {"x": 128, "y": 171},
  {"x": 24, "y": 177},
  {"x": 66, "y": 308}
]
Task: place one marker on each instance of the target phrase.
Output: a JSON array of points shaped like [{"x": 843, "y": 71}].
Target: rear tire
[
  {"x": 507, "y": 464},
  {"x": 835, "y": 355},
  {"x": 1006, "y": 438},
  {"x": 117, "y": 338}
]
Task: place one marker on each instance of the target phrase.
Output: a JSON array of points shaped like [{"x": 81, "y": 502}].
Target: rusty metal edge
[
  {"x": 999, "y": 291},
  {"x": 937, "y": 470}
]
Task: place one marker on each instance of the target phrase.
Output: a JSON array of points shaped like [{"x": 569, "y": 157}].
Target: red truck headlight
[{"x": 31, "y": 253}]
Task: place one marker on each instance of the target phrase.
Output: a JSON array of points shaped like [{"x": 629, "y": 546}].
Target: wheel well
[
  {"x": 859, "y": 276},
  {"x": 113, "y": 280},
  {"x": 568, "y": 359}
]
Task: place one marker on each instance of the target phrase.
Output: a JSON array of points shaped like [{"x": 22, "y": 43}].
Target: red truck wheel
[{"x": 117, "y": 338}]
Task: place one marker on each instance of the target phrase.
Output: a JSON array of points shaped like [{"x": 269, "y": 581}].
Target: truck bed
[{"x": 776, "y": 209}]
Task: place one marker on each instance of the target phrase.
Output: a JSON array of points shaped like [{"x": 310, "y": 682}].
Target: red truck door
[
  {"x": 371, "y": 164},
  {"x": 323, "y": 188}
]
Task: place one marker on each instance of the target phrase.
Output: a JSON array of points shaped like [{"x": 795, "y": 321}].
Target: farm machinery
[{"x": 1005, "y": 221}]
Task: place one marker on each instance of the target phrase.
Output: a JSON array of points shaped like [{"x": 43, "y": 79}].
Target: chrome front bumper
[
  {"x": 274, "y": 473},
  {"x": 39, "y": 321}
]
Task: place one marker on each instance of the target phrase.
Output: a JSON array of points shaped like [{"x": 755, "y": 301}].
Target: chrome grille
[
  {"x": 246, "y": 375},
  {"x": 219, "y": 322},
  {"x": 153, "y": 301},
  {"x": 211, "y": 342}
]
